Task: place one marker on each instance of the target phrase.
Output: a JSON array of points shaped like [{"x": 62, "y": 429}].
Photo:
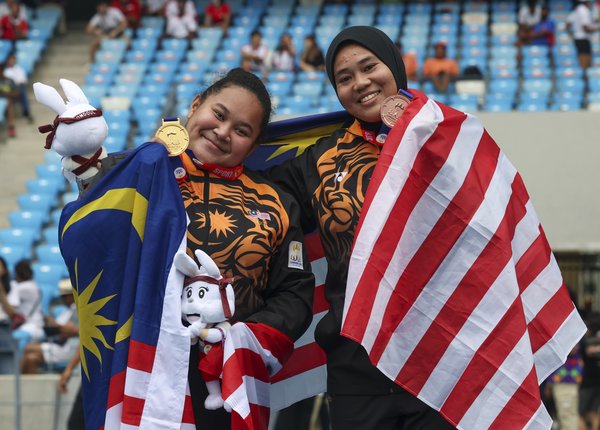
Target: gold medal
[
  {"x": 393, "y": 108},
  {"x": 174, "y": 135}
]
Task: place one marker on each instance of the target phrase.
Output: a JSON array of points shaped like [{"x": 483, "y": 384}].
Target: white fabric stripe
[
  {"x": 243, "y": 396},
  {"x": 185, "y": 426},
  {"x": 554, "y": 352},
  {"x": 539, "y": 420},
  {"x": 319, "y": 269},
  {"x": 299, "y": 387},
  {"x": 420, "y": 129},
  {"x": 112, "y": 419},
  {"x": 444, "y": 281},
  {"x": 163, "y": 408},
  {"x": 425, "y": 215},
  {"x": 309, "y": 334},
  {"x": 240, "y": 336},
  {"x": 541, "y": 290},
  {"x": 500, "y": 388},
  {"x": 527, "y": 231},
  {"x": 136, "y": 383},
  {"x": 468, "y": 340}
]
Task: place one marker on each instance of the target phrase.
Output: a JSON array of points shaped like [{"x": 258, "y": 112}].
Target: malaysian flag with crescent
[{"x": 453, "y": 289}]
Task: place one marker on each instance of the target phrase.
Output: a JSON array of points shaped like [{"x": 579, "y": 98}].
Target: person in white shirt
[
  {"x": 19, "y": 77},
  {"x": 182, "y": 19},
  {"x": 64, "y": 330},
  {"x": 284, "y": 56},
  {"x": 24, "y": 299},
  {"x": 580, "y": 25},
  {"x": 255, "y": 53},
  {"x": 108, "y": 22}
]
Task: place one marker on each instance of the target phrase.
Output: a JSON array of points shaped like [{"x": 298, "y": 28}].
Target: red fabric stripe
[
  {"x": 550, "y": 318},
  {"x": 116, "y": 389},
  {"x": 320, "y": 303},
  {"x": 307, "y": 357},
  {"x": 243, "y": 362},
  {"x": 314, "y": 247},
  {"x": 423, "y": 172},
  {"x": 488, "y": 358},
  {"x": 533, "y": 261},
  {"x": 391, "y": 146},
  {"x": 141, "y": 356},
  {"x": 465, "y": 298},
  {"x": 521, "y": 407},
  {"x": 280, "y": 345},
  {"x": 132, "y": 410},
  {"x": 188, "y": 411},
  {"x": 440, "y": 240},
  {"x": 258, "y": 419}
]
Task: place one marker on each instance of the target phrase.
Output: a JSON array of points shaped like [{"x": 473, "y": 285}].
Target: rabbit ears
[
  {"x": 49, "y": 97},
  {"x": 186, "y": 265}
]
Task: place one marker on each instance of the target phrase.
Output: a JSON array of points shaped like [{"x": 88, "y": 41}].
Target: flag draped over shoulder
[
  {"x": 118, "y": 241},
  {"x": 453, "y": 289}
]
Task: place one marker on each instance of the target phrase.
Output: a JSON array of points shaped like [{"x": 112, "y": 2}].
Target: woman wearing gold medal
[{"x": 330, "y": 180}]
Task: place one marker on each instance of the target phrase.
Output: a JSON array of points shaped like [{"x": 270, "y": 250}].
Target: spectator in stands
[
  {"x": 8, "y": 91},
  {"x": 23, "y": 304},
  {"x": 4, "y": 290},
  {"x": 542, "y": 33},
  {"x": 255, "y": 53},
  {"x": 154, "y": 7},
  {"x": 14, "y": 25},
  {"x": 76, "y": 420},
  {"x": 19, "y": 77},
  {"x": 312, "y": 57},
  {"x": 284, "y": 56},
  {"x": 580, "y": 26},
  {"x": 589, "y": 390},
  {"x": 182, "y": 19},
  {"x": 440, "y": 69},
  {"x": 564, "y": 383},
  {"x": 62, "y": 331},
  {"x": 529, "y": 14},
  {"x": 132, "y": 9},
  {"x": 410, "y": 63},
  {"x": 217, "y": 13},
  {"x": 6, "y": 6},
  {"x": 108, "y": 22}
]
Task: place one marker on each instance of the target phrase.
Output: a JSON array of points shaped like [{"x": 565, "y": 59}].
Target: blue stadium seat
[
  {"x": 48, "y": 274},
  {"x": 532, "y": 106},
  {"x": 537, "y": 85},
  {"x": 52, "y": 157},
  {"x": 12, "y": 254},
  {"x": 575, "y": 85},
  {"x": 51, "y": 186},
  {"x": 27, "y": 219},
  {"x": 508, "y": 86},
  {"x": 308, "y": 89},
  {"x": 50, "y": 235},
  {"x": 49, "y": 254},
  {"x": 35, "y": 202},
  {"x": 20, "y": 237}
]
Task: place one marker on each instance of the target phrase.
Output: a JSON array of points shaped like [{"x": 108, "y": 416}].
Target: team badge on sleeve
[{"x": 295, "y": 255}]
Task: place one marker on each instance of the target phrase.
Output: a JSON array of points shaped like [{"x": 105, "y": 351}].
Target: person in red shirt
[
  {"x": 217, "y": 13},
  {"x": 132, "y": 9},
  {"x": 13, "y": 25}
]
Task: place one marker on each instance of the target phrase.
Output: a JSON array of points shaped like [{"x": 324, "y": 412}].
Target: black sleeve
[
  {"x": 289, "y": 294},
  {"x": 107, "y": 164},
  {"x": 293, "y": 177}
]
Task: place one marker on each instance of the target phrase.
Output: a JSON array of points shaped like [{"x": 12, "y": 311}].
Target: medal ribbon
[
  {"x": 51, "y": 128},
  {"x": 229, "y": 173},
  {"x": 379, "y": 138}
]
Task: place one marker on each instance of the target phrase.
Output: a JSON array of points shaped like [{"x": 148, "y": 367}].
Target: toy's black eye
[
  {"x": 201, "y": 293},
  {"x": 188, "y": 293}
]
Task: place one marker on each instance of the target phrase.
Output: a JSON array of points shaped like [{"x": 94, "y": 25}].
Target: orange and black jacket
[
  {"x": 329, "y": 181},
  {"x": 251, "y": 229}
]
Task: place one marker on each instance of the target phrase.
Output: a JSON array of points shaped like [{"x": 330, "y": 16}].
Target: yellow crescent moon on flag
[{"x": 122, "y": 199}]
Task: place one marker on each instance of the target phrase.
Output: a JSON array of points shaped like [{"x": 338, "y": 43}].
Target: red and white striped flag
[{"x": 453, "y": 289}]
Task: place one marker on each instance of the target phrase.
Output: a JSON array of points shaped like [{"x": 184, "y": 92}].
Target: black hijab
[{"x": 375, "y": 41}]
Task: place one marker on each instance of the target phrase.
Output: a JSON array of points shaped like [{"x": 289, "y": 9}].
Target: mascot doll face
[{"x": 202, "y": 301}]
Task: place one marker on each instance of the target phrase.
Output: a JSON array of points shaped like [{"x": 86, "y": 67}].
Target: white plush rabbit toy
[
  {"x": 207, "y": 301},
  {"x": 78, "y": 130}
]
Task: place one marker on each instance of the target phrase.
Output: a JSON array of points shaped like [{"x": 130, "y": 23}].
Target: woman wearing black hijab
[{"x": 329, "y": 181}]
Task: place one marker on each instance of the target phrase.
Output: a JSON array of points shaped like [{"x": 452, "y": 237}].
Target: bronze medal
[
  {"x": 393, "y": 108},
  {"x": 174, "y": 135}
]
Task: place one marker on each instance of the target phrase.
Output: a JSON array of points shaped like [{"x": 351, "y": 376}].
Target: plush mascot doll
[
  {"x": 78, "y": 130},
  {"x": 207, "y": 302}
]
